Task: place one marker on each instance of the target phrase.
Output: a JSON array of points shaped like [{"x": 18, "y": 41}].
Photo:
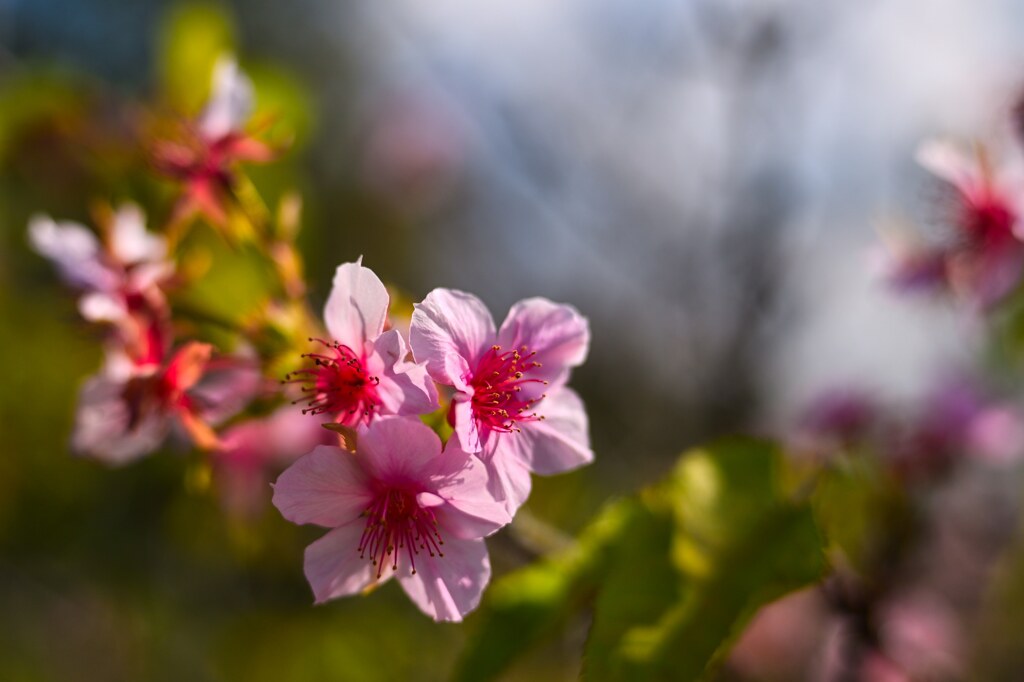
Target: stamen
[
  {"x": 497, "y": 390},
  {"x": 337, "y": 383},
  {"x": 395, "y": 521}
]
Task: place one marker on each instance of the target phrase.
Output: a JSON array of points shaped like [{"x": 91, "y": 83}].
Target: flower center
[
  {"x": 337, "y": 383},
  {"x": 989, "y": 220},
  {"x": 395, "y": 522},
  {"x": 498, "y": 399}
]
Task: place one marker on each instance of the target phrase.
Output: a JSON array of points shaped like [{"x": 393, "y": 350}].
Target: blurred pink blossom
[
  {"x": 985, "y": 258},
  {"x": 120, "y": 276},
  {"x": 500, "y": 408},
  {"x": 836, "y": 419},
  {"x": 399, "y": 506},
  {"x": 958, "y": 420},
  {"x": 253, "y": 451},
  {"x": 923, "y": 637},
  {"x": 127, "y": 409},
  {"x": 203, "y": 162}
]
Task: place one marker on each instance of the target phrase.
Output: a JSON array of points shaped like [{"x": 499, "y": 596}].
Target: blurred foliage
[{"x": 672, "y": 574}]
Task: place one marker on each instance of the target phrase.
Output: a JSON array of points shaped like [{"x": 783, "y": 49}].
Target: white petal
[
  {"x": 231, "y": 100},
  {"x": 129, "y": 240}
]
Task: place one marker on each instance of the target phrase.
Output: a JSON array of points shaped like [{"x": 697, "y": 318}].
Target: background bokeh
[{"x": 703, "y": 179}]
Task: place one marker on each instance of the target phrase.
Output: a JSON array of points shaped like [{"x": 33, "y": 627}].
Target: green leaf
[
  {"x": 229, "y": 283},
  {"x": 852, "y": 500},
  {"x": 716, "y": 541},
  {"x": 526, "y": 605},
  {"x": 674, "y": 573},
  {"x": 639, "y": 582}
]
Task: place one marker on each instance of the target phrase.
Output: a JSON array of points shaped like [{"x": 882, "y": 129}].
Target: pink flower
[
  {"x": 838, "y": 419},
  {"x": 362, "y": 371},
  {"x": 958, "y": 420},
  {"x": 204, "y": 161},
  {"x": 398, "y": 506},
  {"x": 985, "y": 260},
  {"x": 252, "y": 451},
  {"x": 120, "y": 276},
  {"x": 128, "y": 264},
  {"x": 128, "y": 409},
  {"x": 511, "y": 404},
  {"x": 921, "y": 635}
]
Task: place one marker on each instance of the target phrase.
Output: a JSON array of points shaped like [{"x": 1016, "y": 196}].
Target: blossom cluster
[
  {"x": 349, "y": 423},
  {"x": 398, "y": 502},
  {"x": 955, "y": 421}
]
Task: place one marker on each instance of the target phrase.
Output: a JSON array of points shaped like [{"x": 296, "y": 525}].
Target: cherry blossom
[
  {"x": 398, "y": 507},
  {"x": 128, "y": 408},
  {"x": 205, "y": 159},
  {"x": 511, "y": 405},
  {"x": 985, "y": 258},
  {"x": 362, "y": 371},
  {"x": 120, "y": 276}
]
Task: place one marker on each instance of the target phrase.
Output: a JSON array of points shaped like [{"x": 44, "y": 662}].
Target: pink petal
[
  {"x": 227, "y": 387},
  {"x": 74, "y": 250},
  {"x": 146, "y": 275},
  {"x": 333, "y": 566},
  {"x": 292, "y": 434},
  {"x": 560, "y": 442},
  {"x": 948, "y": 162},
  {"x": 101, "y": 425},
  {"x": 508, "y": 479},
  {"x": 556, "y": 332},
  {"x": 449, "y": 331},
  {"x": 996, "y": 434},
  {"x": 357, "y": 308},
  {"x": 404, "y": 388},
  {"x": 245, "y": 148},
  {"x": 326, "y": 487},
  {"x": 448, "y": 587},
  {"x": 282, "y": 437},
  {"x": 398, "y": 449},
  {"x": 987, "y": 275},
  {"x": 466, "y": 427},
  {"x": 472, "y": 511},
  {"x": 429, "y": 500}
]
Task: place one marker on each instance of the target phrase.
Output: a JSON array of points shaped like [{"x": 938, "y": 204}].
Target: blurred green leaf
[
  {"x": 281, "y": 97},
  {"x": 192, "y": 38},
  {"x": 31, "y": 96},
  {"x": 231, "y": 284},
  {"x": 640, "y": 582},
  {"x": 524, "y": 606},
  {"x": 853, "y": 499},
  {"x": 675, "y": 572},
  {"x": 738, "y": 542}
]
